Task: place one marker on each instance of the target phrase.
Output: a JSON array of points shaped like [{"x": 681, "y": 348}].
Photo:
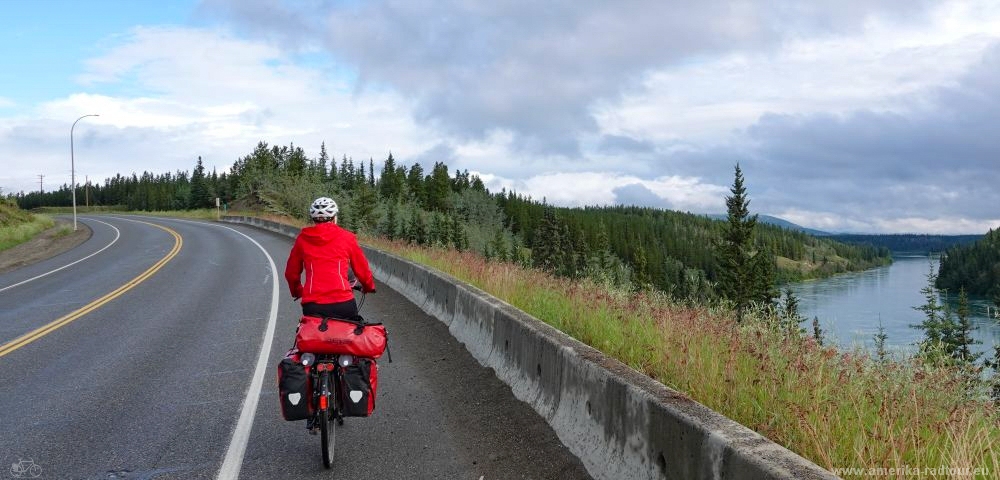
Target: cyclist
[{"x": 325, "y": 253}]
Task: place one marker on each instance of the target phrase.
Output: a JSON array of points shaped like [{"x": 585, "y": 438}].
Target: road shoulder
[{"x": 45, "y": 245}]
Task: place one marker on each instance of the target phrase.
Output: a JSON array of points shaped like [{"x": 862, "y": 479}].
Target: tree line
[
  {"x": 628, "y": 246},
  {"x": 145, "y": 192},
  {"x": 908, "y": 243}
]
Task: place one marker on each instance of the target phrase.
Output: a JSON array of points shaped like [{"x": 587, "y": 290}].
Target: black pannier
[
  {"x": 294, "y": 388},
  {"x": 358, "y": 385}
]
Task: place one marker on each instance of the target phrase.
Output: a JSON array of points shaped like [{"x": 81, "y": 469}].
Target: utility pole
[
  {"x": 86, "y": 182},
  {"x": 40, "y": 189}
]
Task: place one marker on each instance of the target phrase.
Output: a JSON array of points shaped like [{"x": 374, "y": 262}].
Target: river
[{"x": 850, "y": 306}]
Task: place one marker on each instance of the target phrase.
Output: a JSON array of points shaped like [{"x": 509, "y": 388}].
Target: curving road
[{"x": 135, "y": 355}]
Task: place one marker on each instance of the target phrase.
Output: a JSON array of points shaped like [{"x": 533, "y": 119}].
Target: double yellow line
[{"x": 90, "y": 307}]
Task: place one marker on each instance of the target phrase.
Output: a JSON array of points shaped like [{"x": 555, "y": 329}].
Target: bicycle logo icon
[{"x": 25, "y": 469}]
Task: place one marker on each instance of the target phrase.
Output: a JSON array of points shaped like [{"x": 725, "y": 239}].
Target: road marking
[
  {"x": 118, "y": 234},
  {"x": 233, "y": 461},
  {"x": 90, "y": 307}
]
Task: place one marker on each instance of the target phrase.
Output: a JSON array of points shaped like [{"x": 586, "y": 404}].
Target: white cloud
[
  {"x": 876, "y": 69},
  {"x": 199, "y": 92},
  {"x": 200, "y": 65},
  {"x": 837, "y": 223},
  {"x": 580, "y": 189},
  {"x": 949, "y": 226},
  {"x": 7, "y": 103}
]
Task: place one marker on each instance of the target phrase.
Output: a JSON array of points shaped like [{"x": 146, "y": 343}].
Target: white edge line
[
  {"x": 118, "y": 235},
  {"x": 233, "y": 461}
]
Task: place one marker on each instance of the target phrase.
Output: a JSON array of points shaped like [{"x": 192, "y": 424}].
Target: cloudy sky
[{"x": 861, "y": 116}]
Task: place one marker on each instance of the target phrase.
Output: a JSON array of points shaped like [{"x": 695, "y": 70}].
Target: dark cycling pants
[{"x": 346, "y": 309}]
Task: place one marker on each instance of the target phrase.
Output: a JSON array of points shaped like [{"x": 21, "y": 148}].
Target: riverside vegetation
[
  {"x": 975, "y": 267},
  {"x": 688, "y": 301}
]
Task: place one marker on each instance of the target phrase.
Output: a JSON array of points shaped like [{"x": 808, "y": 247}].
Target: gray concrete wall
[{"x": 619, "y": 422}]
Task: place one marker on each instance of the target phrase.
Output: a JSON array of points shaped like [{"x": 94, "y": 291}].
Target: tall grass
[
  {"x": 17, "y": 233},
  {"x": 838, "y": 409}
]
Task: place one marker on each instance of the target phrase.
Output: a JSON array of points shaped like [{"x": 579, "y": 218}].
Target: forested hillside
[
  {"x": 908, "y": 243},
  {"x": 627, "y": 246},
  {"x": 974, "y": 267}
]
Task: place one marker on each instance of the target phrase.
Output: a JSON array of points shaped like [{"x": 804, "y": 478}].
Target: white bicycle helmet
[{"x": 323, "y": 209}]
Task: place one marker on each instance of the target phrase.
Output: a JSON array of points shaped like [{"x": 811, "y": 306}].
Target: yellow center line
[{"x": 90, "y": 307}]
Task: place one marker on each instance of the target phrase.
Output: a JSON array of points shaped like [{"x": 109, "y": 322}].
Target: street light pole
[{"x": 72, "y": 164}]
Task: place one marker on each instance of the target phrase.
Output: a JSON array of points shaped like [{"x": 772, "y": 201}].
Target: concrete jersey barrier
[{"x": 619, "y": 422}]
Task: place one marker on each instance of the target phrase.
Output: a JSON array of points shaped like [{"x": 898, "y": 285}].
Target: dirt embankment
[{"x": 45, "y": 245}]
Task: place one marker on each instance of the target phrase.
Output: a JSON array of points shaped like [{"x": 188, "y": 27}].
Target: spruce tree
[
  {"x": 790, "y": 312},
  {"x": 444, "y": 238},
  {"x": 295, "y": 160},
  {"x": 435, "y": 231},
  {"x": 346, "y": 173},
  {"x": 439, "y": 189},
  {"x": 389, "y": 185},
  {"x": 322, "y": 164},
  {"x": 764, "y": 268},
  {"x": 933, "y": 318},
  {"x": 390, "y": 227},
  {"x": 548, "y": 245},
  {"x": 602, "y": 256},
  {"x": 641, "y": 266},
  {"x": 880, "y": 337},
  {"x": 458, "y": 237},
  {"x": 962, "y": 336},
  {"x": 498, "y": 246},
  {"x": 817, "y": 332},
  {"x": 200, "y": 196},
  {"x": 745, "y": 274},
  {"x": 415, "y": 185},
  {"x": 417, "y": 230},
  {"x": 363, "y": 206}
]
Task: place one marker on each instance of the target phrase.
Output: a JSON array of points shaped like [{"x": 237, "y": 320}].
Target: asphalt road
[{"x": 149, "y": 380}]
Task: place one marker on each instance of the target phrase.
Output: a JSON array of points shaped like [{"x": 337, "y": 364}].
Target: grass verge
[{"x": 18, "y": 233}]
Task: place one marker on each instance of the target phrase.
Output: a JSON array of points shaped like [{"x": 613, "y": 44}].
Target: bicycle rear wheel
[{"x": 327, "y": 434}]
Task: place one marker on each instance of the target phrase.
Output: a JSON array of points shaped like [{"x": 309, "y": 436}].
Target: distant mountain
[{"x": 778, "y": 222}]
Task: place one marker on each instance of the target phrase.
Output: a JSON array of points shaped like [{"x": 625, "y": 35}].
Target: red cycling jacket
[{"x": 325, "y": 252}]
